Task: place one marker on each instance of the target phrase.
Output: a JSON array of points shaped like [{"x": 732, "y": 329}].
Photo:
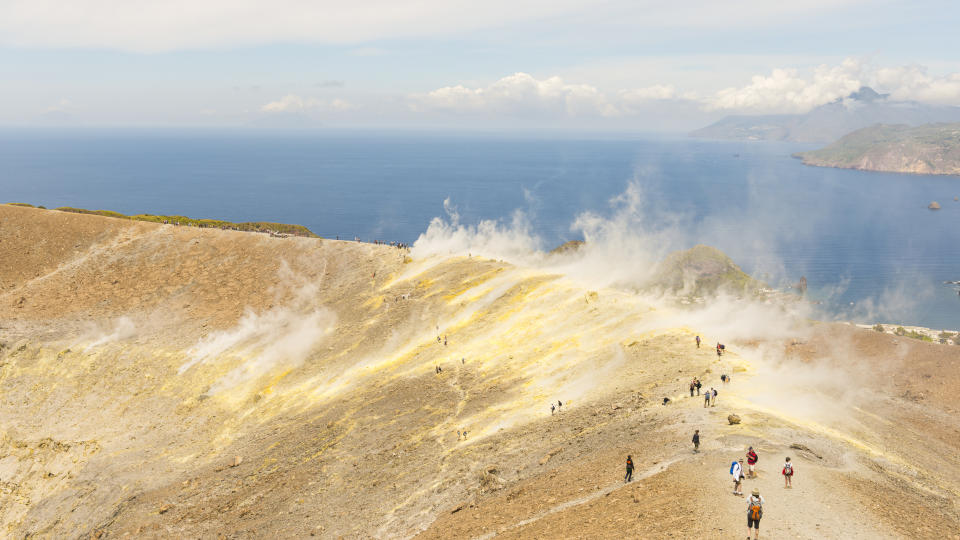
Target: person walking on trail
[
  {"x": 713, "y": 400},
  {"x": 693, "y": 384},
  {"x": 698, "y": 342},
  {"x": 552, "y": 409},
  {"x": 719, "y": 350},
  {"x": 736, "y": 471},
  {"x": 752, "y": 462},
  {"x": 629, "y": 475},
  {"x": 754, "y": 513},
  {"x": 787, "y": 474},
  {"x": 706, "y": 399},
  {"x": 699, "y": 384},
  {"x": 696, "y": 441},
  {"x": 559, "y": 404}
]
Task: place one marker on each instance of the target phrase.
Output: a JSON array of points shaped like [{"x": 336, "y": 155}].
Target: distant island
[
  {"x": 927, "y": 149},
  {"x": 829, "y": 121}
]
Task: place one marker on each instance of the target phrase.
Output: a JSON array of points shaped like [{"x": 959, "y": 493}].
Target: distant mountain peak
[{"x": 867, "y": 94}]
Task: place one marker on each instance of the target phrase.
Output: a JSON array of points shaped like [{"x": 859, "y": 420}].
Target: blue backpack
[{"x": 732, "y": 465}]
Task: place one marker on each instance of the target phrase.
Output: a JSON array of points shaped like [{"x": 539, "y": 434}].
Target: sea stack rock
[{"x": 934, "y": 205}]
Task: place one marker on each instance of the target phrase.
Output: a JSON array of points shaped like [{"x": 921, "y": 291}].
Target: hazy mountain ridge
[
  {"x": 830, "y": 121},
  {"x": 927, "y": 149}
]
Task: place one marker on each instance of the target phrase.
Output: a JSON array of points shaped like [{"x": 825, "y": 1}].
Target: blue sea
[{"x": 866, "y": 242}]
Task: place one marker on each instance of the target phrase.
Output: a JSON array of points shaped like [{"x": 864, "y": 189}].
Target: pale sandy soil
[{"x": 139, "y": 361}]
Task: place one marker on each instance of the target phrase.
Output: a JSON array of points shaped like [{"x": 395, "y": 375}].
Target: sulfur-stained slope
[{"x": 167, "y": 381}]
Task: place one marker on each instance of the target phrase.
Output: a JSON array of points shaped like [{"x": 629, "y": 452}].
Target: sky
[{"x": 637, "y": 65}]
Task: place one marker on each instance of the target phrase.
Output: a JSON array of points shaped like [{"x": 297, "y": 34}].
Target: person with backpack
[
  {"x": 696, "y": 441},
  {"x": 699, "y": 384},
  {"x": 706, "y": 398},
  {"x": 754, "y": 514},
  {"x": 736, "y": 471},
  {"x": 752, "y": 459},
  {"x": 693, "y": 384},
  {"x": 713, "y": 400},
  {"x": 629, "y": 476},
  {"x": 787, "y": 474}
]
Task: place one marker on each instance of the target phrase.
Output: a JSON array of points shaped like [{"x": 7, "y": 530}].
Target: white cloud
[
  {"x": 784, "y": 90},
  {"x": 522, "y": 94},
  {"x": 61, "y": 106},
  {"x": 914, "y": 83},
  {"x": 289, "y": 103},
  {"x": 292, "y": 103},
  {"x": 631, "y": 100}
]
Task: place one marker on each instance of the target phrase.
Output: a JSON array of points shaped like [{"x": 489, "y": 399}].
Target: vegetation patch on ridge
[{"x": 250, "y": 226}]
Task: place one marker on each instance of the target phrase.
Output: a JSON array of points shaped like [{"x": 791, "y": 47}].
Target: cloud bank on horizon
[{"x": 626, "y": 63}]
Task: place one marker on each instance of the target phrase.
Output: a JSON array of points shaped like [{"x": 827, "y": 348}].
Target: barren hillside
[{"x": 165, "y": 382}]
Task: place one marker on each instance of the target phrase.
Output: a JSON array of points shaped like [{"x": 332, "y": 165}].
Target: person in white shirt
[{"x": 737, "y": 473}]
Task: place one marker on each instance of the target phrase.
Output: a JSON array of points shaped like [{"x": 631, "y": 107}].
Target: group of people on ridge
[{"x": 755, "y": 502}]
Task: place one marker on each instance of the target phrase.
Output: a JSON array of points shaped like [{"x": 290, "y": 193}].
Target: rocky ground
[{"x": 160, "y": 382}]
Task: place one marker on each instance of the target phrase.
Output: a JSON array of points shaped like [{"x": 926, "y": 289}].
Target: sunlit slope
[
  {"x": 179, "y": 382},
  {"x": 164, "y": 352}
]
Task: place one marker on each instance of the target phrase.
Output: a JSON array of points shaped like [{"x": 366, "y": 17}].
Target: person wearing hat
[
  {"x": 754, "y": 513},
  {"x": 736, "y": 471}
]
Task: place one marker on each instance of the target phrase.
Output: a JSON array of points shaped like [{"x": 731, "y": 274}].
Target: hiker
[
  {"x": 699, "y": 384},
  {"x": 629, "y": 475},
  {"x": 752, "y": 462},
  {"x": 559, "y": 404},
  {"x": 706, "y": 399},
  {"x": 458, "y": 434},
  {"x": 693, "y": 384},
  {"x": 736, "y": 471},
  {"x": 463, "y": 361},
  {"x": 438, "y": 339},
  {"x": 723, "y": 378},
  {"x": 787, "y": 474},
  {"x": 718, "y": 349},
  {"x": 444, "y": 341},
  {"x": 754, "y": 513},
  {"x": 713, "y": 400},
  {"x": 696, "y": 441},
  {"x": 666, "y": 400},
  {"x": 698, "y": 342},
  {"x": 464, "y": 434},
  {"x": 551, "y": 409}
]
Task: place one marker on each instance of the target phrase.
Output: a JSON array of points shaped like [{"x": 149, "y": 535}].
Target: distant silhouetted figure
[
  {"x": 552, "y": 408},
  {"x": 559, "y": 404},
  {"x": 629, "y": 475},
  {"x": 698, "y": 342},
  {"x": 696, "y": 441}
]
